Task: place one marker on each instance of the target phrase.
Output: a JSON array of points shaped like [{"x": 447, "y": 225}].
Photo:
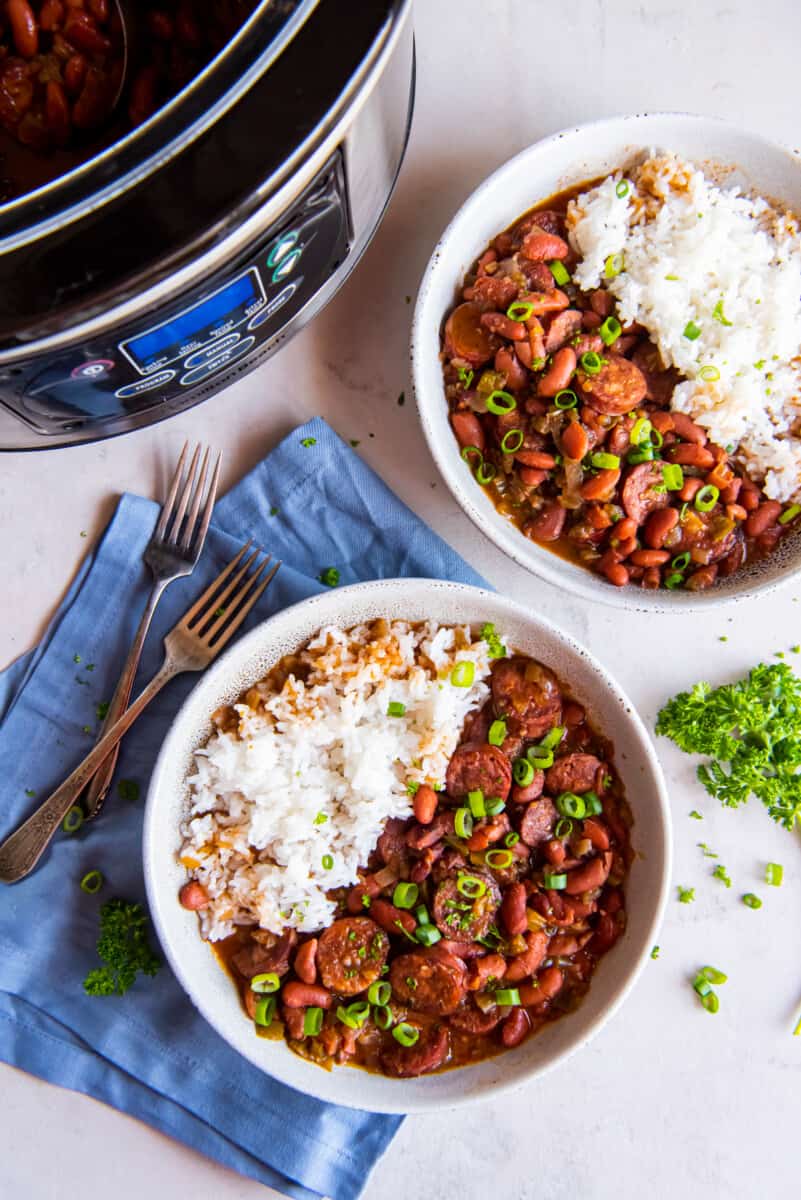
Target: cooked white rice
[
  {"x": 731, "y": 265},
  {"x": 316, "y": 769}
]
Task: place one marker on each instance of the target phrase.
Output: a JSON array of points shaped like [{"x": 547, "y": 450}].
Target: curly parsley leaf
[
  {"x": 751, "y": 731},
  {"x": 124, "y": 949}
]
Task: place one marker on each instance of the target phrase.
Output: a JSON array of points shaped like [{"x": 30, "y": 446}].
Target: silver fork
[
  {"x": 191, "y": 645},
  {"x": 171, "y": 553}
]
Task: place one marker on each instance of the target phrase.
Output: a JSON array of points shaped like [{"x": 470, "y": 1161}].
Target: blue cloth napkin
[{"x": 149, "y": 1053}]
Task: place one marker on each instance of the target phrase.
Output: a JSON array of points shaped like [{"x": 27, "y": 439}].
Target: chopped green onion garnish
[
  {"x": 265, "y": 1007},
  {"x": 686, "y": 895},
  {"x": 92, "y": 882},
  {"x": 472, "y": 452},
  {"x": 717, "y": 313},
  {"x": 265, "y": 984},
  {"x": 564, "y": 828},
  {"x": 709, "y": 374},
  {"x": 519, "y": 311},
  {"x": 643, "y": 453},
  {"x": 405, "y": 1033},
  {"x": 559, "y": 272},
  {"x": 328, "y": 862},
  {"x": 592, "y": 804},
  {"x": 539, "y": 757},
  {"x": 497, "y": 733},
  {"x": 522, "y": 772},
  {"x": 73, "y": 820},
  {"x": 476, "y": 803},
  {"x": 701, "y": 985},
  {"x": 495, "y": 647},
  {"x": 421, "y": 915},
  {"x": 692, "y": 331},
  {"x": 354, "y": 1015},
  {"x": 610, "y": 331},
  {"x": 466, "y": 376},
  {"x": 673, "y": 477},
  {"x": 463, "y": 822},
  {"x": 500, "y": 402},
  {"x": 471, "y": 886},
  {"x": 674, "y": 580},
  {"x": 486, "y": 472},
  {"x": 312, "y": 1021},
  {"x": 382, "y": 1016},
  {"x": 622, "y": 189},
  {"x": 751, "y": 900},
  {"x": 713, "y": 975},
  {"x": 512, "y": 441},
  {"x": 774, "y": 873},
  {"x": 790, "y": 514},
  {"x": 463, "y": 674},
  {"x": 565, "y": 399},
  {"x": 570, "y": 805},
  {"x": 396, "y": 709},
  {"x": 499, "y": 860},
  {"x": 681, "y": 562},
  {"x": 405, "y": 895},
  {"x": 706, "y": 497},
  {"x": 379, "y": 992},
  {"x": 321, "y": 818},
  {"x": 641, "y": 431},
  {"x": 605, "y": 462},
  {"x": 711, "y": 1002},
  {"x": 507, "y": 997},
  {"x": 309, "y": 441},
  {"x": 553, "y": 737},
  {"x": 553, "y": 880},
  {"x": 511, "y": 839},
  {"x": 494, "y": 806},
  {"x": 614, "y": 264},
  {"x": 591, "y": 362},
  {"x": 721, "y": 874},
  {"x": 427, "y": 935}
]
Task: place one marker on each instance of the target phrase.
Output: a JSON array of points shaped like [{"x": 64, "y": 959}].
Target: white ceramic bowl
[
  {"x": 558, "y": 162},
  {"x": 247, "y": 661}
]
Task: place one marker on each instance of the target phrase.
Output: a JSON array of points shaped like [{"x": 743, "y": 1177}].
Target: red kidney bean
[
  {"x": 596, "y": 833},
  {"x": 575, "y": 441},
  {"x": 515, "y": 1027},
  {"x": 572, "y": 714},
  {"x": 509, "y": 365},
  {"x": 730, "y": 494},
  {"x": 627, "y": 528},
  {"x": 529, "y": 961},
  {"x": 661, "y": 421},
  {"x": 702, "y": 579},
  {"x": 602, "y": 302},
  {"x": 617, "y": 574},
  {"x": 559, "y": 374},
  {"x": 555, "y": 852},
  {"x": 389, "y": 917},
  {"x": 142, "y": 98},
  {"x": 606, "y": 934},
  {"x": 81, "y": 32},
  {"x": 536, "y": 458},
  {"x": 691, "y": 486},
  {"x": 658, "y": 525},
  {"x": 425, "y": 804},
  {"x": 762, "y": 518},
  {"x": 75, "y": 73},
  {"x": 542, "y": 247},
  {"x": 687, "y": 429},
  {"x": 650, "y": 558},
  {"x": 531, "y": 477},
  {"x": 304, "y": 995},
  {"x": 736, "y": 512},
  {"x": 548, "y": 524},
  {"x": 626, "y": 547},
  {"x": 193, "y": 896},
  {"x": 468, "y": 429},
  {"x": 51, "y": 14},
  {"x": 547, "y": 985},
  {"x": 24, "y": 29},
  {"x": 306, "y": 961},
  {"x": 545, "y": 302},
  {"x": 589, "y": 875},
  {"x": 591, "y": 321},
  {"x": 651, "y": 579},
  {"x": 601, "y": 486},
  {"x": 513, "y": 909},
  {"x": 57, "y": 112},
  {"x": 687, "y": 454},
  {"x": 499, "y": 323},
  {"x": 489, "y": 966}
]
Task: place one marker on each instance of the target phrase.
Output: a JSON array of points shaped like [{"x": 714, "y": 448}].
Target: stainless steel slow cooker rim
[{"x": 14, "y": 213}]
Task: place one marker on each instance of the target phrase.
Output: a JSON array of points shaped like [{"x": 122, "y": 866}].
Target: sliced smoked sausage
[
  {"x": 350, "y": 954},
  {"x": 263, "y": 957},
  {"x": 572, "y": 773},
  {"x": 430, "y": 982},
  {"x": 428, "y": 1053},
  {"x": 537, "y": 822},
  {"x": 458, "y": 916},
  {"x": 478, "y": 766},
  {"x": 641, "y": 494},
  {"x": 466, "y": 338},
  {"x": 618, "y": 387},
  {"x": 527, "y": 695}
]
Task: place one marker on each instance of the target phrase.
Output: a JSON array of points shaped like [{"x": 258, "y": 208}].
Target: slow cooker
[{"x": 148, "y": 278}]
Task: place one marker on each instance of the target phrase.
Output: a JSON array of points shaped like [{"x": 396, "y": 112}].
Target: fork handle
[
  {"x": 98, "y": 787},
  {"x": 20, "y": 852}
]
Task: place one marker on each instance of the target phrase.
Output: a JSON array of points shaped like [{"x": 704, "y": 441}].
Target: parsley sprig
[
  {"x": 751, "y": 730},
  {"x": 123, "y": 947}
]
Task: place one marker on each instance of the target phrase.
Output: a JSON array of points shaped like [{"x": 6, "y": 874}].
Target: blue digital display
[{"x": 198, "y": 326}]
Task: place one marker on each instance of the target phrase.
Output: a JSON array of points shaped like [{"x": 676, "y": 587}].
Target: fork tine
[
  {"x": 242, "y": 612},
  {"x": 226, "y": 614},
  {"x": 200, "y": 626},
  {"x": 195, "y": 508},
  {"x": 166, "y": 510},
  {"x": 213, "y": 587},
  {"x": 183, "y": 503},
  {"x": 210, "y": 499}
]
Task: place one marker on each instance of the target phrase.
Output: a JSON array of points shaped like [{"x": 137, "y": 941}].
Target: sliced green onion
[
  {"x": 472, "y": 452},
  {"x": 641, "y": 431},
  {"x": 463, "y": 822},
  {"x": 512, "y": 441},
  {"x": 395, "y": 709},
  {"x": 471, "y": 886},
  {"x": 466, "y": 376},
  {"x": 73, "y": 820},
  {"x": 553, "y": 737},
  {"x": 605, "y": 462},
  {"x": 568, "y": 804},
  {"x": 675, "y": 580},
  {"x": 427, "y": 935},
  {"x": 691, "y": 331},
  {"x": 486, "y": 472},
  {"x": 711, "y": 1002},
  {"x": 610, "y": 331},
  {"x": 706, "y": 498},
  {"x": 559, "y": 272},
  {"x": 497, "y": 733},
  {"x": 264, "y": 1011},
  {"x": 565, "y": 399},
  {"x": 494, "y": 806},
  {"x": 499, "y": 860},
  {"x": 476, "y": 803},
  {"x": 563, "y": 830},
  {"x": 713, "y": 975},
  {"x": 683, "y": 513},
  {"x": 592, "y": 804},
  {"x": 421, "y": 915},
  {"x": 312, "y": 1021},
  {"x": 382, "y": 1016},
  {"x": 405, "y": 895},
  {"x": 655, "y": 438},
  {"x": 709, "y": 374},
  {"x": 405, "y": 1033},
  {"x": 511, "y": 839},
  {"x": 500, "y": 402},
  {"x": 522, "y": 772},
  {"x": 265, "y": 984},
  {"x": 507, "y": 997},
  {"x": 717, "y": 313},
  {"x": 673, "y": 477},
  {"x": 701, "y": 985},
  {"x": 463, "y": 674},
  {"x": 751, "y": 900},
  {"x": 642, "y": 454},
  {"x": 614, "y": 264},
  {"x": 328, "y": 862},
  {"x": 540, "y": 758},
  {"x": 774, "y": 873},
  {"x": 622, "y": 189},
  {"x": 519, "y": 311},
  {"x": 555, "y": 881},
  {"x": 790, "y": 514},
  {"x": 92, "y": 882},
  {"x": 591, "y": 362},
  {"x": 354, "y": 1015},
  {"x": 681, "y": 562},
  {"x": 797, "y": 1030},
  {"x": 379, "y": 992}
]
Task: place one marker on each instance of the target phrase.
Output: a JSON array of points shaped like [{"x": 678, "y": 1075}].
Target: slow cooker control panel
[{"x": 188, "y": 345}]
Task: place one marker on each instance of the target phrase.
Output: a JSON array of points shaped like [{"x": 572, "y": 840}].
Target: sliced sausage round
[
  {"x": 537, "y": 822},
  {"x": 618, "y": 387},
  {"x": 478, "y": 766},
  {"x": 659, "y": 380},
  {"x": 434, "y": 983},
  {"x": 460, "y": 918},
  {"x": 427, "y": 1054},
  {"x": 527, "y": 695},
  {"x": 471, "y": 1019},
  {"x": 640, "y": 495},
  {"x": 270, "y": 956},
  {"x": 466, "y": 338},
  {"x": 710, "y": 537},
  {"x": 572, "y": 773},
  {"x": 350, "y": 954}
]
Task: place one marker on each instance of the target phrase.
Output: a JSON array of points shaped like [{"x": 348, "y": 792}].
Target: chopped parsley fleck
[
  {"x": 355, "y": 442},
  {"x": 274, "y": 511},
  {"x": 321, "y": 818},
  {"x": 696, "y": 816},
  {"x": 309, "y": 441},
  {"x": 30, "y": 792},
  {"x": 495, "y": 646},
  {"x": 366, "y": 901},
  {"x": 220, "y": 611},
  {"x": 351, "y": 935},
  {"x": 86, "y": 729},
  {"x": 128, "y": 789},
  {"x": 102, "y": 710},
  {"x": 723, "y": 638},
  {"x": 720, "y": 873},
  {"x": 76, "y": 658},
  {"x": 90, "y": 667},
  {"x": 412, "y": 787},
  {"x": 707, "y": 852},
  {"x": 411, "y": 983},
  {"x": 329, "y": 576},
  {"x": 655, "y": 952},
  {"x": 686, "y": 895}
]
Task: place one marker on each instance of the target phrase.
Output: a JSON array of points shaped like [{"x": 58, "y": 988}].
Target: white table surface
[{"x": 668, "y": 1101}]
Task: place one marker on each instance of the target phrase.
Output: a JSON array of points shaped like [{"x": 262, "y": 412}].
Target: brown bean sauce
[
  {"x": 539, "y": 463},
  {"x": 569, "y": 925}
]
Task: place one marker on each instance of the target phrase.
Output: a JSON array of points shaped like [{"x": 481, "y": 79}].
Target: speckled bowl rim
[
  {"x": 210, "y": 990},
  {"x": 630, "y": 134}
]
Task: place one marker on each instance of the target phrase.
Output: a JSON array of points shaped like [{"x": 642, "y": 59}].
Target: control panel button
[
  {"x": 286, "y": 265},
  {"x": 144, "y": 385},
  {"x": 215, "y": 364},
  {"x": 98, "y": 368},
  {"x": 210, "y": 350},
  {"x": 282, "y": 247},
  {"x": 270, "y": 309}
]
